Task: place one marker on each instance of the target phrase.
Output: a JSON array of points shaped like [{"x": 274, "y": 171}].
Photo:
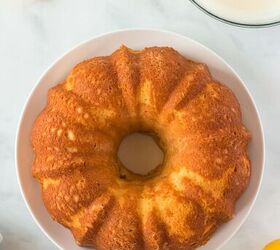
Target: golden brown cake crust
[{"x": 156, "y": 90}]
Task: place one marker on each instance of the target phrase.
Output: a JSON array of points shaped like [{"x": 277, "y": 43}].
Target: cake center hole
[{"x": 140, "y": 153}]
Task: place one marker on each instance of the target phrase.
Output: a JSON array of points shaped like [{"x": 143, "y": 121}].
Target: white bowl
[{"x": 136, "y": 39}]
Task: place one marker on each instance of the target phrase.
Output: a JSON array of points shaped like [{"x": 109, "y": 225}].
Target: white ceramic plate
[{"x": 136, "y": 39}]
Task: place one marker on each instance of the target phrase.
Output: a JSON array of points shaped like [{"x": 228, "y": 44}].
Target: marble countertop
[{"x": 34, "y": 33}]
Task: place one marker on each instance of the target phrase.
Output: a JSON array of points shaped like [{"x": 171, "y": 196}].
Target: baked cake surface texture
[{"x": 156, "y": 90}]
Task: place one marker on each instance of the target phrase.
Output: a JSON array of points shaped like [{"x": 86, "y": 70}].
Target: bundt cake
[{"x": 156, "y": 90}]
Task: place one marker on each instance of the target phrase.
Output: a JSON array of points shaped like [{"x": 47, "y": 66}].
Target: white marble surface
[{"x": 34, "y": 33}]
